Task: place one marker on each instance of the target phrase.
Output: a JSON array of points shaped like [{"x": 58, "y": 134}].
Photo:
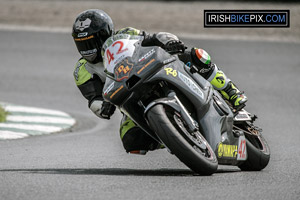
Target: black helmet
[{"x": 90, "y": 30}]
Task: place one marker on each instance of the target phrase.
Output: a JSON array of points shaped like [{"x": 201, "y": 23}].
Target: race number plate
[
  {"x": 117, "y": 50},
  {"x": 242, "y": 149}
]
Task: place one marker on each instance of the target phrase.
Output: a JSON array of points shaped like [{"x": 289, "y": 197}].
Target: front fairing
[{"x": 130, "y": 73}]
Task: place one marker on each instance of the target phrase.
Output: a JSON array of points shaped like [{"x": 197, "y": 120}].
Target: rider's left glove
[
  {"x": 103, "y": 109},
  {"x": 107, "y": 110}
]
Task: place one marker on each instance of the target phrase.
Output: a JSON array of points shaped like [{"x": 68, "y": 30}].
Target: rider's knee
[{"x": 134, "y": 138}]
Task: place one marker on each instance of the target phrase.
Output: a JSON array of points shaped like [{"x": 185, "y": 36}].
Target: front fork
[{"x": 173, "y": 101}]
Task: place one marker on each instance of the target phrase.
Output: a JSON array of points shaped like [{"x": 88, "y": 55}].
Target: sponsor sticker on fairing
[
  {"x": 115, "y": 92},
  {"x": 227, "y": 150},
  {"x": 147, "y": 55},
  {"x": 169, "y": 60},
  {"x": 146, "y": 65},
  {"x": 123, "y": 70},
  {"x": 191, "y": 84},
  {"x": 108, "y": 89},
  {"x": 171, "y": 71}
]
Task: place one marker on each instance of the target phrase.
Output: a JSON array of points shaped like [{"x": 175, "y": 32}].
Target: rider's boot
[
  {"x": 202, "y": 61},
  {"x": 228, "y": 89}
]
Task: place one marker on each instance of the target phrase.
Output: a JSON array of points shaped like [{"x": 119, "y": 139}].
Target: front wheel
[{"x": 191, "y": 148}]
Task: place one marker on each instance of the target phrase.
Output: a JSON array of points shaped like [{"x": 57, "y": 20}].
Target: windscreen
[{"x": 116, "y": 49}]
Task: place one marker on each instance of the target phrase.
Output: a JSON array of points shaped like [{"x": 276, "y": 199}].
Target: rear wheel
[
  {"x": 257, "y": 148},
  {"x": 191, "y": 148}
]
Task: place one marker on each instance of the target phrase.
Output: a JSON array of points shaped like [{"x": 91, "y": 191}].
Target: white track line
[
  {"x": 12, "y": 135},
  {"x": 41, "y": 128},
  {"x": 40, "y": 119},
  {"x": 23, "y": 121},
  {"x": 13, "y": 108}
]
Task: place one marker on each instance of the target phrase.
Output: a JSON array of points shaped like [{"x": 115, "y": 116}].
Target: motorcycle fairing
[{"x": 213, "y": 115}]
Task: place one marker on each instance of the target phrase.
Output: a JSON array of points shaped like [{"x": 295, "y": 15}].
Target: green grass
[{"x": 2, "y": 114}]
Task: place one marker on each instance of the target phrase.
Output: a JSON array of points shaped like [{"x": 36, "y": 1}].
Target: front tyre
[{"x": 191, "y": 148}]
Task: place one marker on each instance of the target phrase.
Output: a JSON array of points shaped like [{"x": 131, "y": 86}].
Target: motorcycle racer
[{"x": 91, "y": 29}]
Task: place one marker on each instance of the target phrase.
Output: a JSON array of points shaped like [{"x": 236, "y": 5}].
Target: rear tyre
[
  {"x": 258, "y": 152},
  {"x": 191, "y": 148}
]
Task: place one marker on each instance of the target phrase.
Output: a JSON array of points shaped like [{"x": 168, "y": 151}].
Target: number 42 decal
[
  {"x": 242, "y": 150},
  {"x": 110, "y": 56}
]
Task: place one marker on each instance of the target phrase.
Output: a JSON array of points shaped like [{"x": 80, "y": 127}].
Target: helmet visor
[{"x": 87, "y": 47}]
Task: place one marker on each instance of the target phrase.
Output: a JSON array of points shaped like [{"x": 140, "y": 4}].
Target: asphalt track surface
[{"x": 89, "y": 162}]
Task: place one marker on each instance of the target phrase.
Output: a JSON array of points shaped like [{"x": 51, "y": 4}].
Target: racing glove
[
  {"x": 104, "y": 110},
  {"x": 107, "y": 110},
  {"x": 174, "y": 46},
  {"x": 167, "y": 41}
]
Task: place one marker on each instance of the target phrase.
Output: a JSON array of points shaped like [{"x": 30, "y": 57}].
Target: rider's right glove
[
  {"x": 167, "y": 41},
  {"x": 107, "y": 110}
]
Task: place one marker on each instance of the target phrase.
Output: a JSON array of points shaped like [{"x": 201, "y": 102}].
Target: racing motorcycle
[{"x": 180, "y": 109}]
